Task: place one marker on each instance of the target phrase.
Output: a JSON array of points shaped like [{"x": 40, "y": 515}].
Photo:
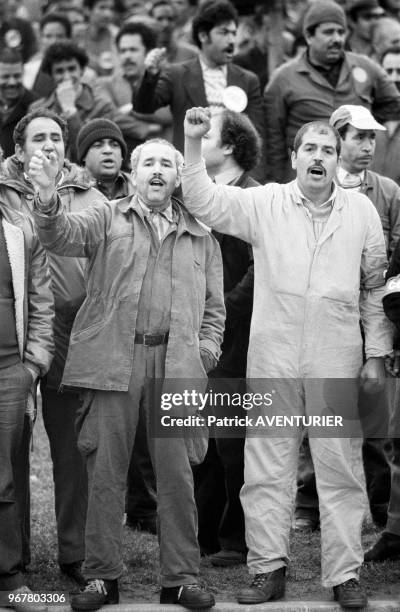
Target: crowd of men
[{"x": 206, "y": 192}]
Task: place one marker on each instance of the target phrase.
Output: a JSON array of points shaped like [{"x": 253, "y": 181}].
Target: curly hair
[
  {"x": 238, "y": 131},
  {"x": 147, "y": 34},
  {"x": 61, "y": 51},
  {"x": 211, "y": 14},
  {"x": 19, "y": 134}
]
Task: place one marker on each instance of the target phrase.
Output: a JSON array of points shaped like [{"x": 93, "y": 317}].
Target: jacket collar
[{"x": 186, "y": 223}]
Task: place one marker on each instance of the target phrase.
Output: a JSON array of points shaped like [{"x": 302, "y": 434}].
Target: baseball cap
[{"x": 357, "y": 116}]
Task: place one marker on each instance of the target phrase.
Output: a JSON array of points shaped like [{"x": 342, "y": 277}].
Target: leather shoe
[
  {"x": 227, "y": 558},
  {"x": 305, "y": 524},
  {"x": 350, "y": 594},
  {"x": 387, "y": 547},
  {"x": 21, "y": 603},
  {"x": 264, "y": 587},
  {"x": 96, "y": 593},
  {"x": 74, "y": 571},
  {"x": 190, "y": 596}
]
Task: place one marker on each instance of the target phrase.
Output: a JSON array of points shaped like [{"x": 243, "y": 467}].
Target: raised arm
[{"x": 230, "y": 210}]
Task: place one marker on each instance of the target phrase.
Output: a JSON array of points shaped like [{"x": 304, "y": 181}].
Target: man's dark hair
[
  {"x": 395, "y": 50},
  {"x": 147, "y": 34},
  {"x": 319, "y": 126},
  {"x": 211, "y": 14},
  {"x": 238, "y": 131},
  {"x": 61, "y": 51},
  {"x": 156, "y": 3},
  {"x": 90, "y": 4},
  {"x": 10, "y": 56},
  {"x": 56, "y": 18},
  {"x": 19, "y": 134}
]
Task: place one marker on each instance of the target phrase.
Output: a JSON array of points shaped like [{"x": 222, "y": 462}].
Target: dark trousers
[
  {"x": 69, "y": 472},
  {"x": 141, "y": 497},
  {"x": 218, "y": 482},
  {"x": 15, "y": 383},
  {"x": 106, "y": 438}
]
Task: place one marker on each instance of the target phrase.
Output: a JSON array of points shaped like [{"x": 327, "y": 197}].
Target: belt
[{"x": 151, "y": 339}]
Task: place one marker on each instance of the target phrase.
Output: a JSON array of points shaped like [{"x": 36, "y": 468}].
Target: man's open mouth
[
  {"x": 317, "y": 171},
  {"x": 155, "y": 182}
]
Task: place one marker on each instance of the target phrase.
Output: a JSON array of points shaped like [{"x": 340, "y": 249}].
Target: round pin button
[{"x": 234, "y": 98}]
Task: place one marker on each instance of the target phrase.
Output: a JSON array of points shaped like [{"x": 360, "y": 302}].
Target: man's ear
[
  {"x": 19, "y": 152},
  {"x": 203, "y": 37},
  {"x": 178, "y": 178},
  {"x": 227, "y": 149},
  {"x": 133, "y": 175},
  {"x": 293, "y": 158}
]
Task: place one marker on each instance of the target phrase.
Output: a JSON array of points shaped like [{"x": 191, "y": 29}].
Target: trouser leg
[
  {"x": 343, "y": 505},
  {"x": 22, "y": 491},
  {"x": 177, "y": 515},
  {"x": 106, "y": 438},
  {"x": 15, "y": 382},
  {"x": 69, "y": 472},
  {"x": 210, "y": 495},
  {"x": 141, "y": 498},
  {"x": 231, "y": 531},
  {"x": 307, "y": 505}
]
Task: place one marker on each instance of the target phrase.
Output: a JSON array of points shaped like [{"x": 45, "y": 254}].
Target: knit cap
[
  {"x": 324, "y": 11},
  {"x": 97, "y": 129}
]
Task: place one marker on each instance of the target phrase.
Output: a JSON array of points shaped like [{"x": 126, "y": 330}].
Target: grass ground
[{"x": 140, "y": 580}]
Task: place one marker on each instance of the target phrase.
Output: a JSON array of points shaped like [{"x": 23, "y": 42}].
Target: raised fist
[
  {"x": 155, "y": 59},
  {"x": 197, "y": 122}
]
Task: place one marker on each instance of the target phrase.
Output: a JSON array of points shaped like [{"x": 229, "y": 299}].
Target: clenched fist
[
  {"x": 197, "y": 122},
  {"x": 154, "y": 60}
]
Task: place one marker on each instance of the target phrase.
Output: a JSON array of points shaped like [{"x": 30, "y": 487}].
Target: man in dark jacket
[
  {"x": 231, "y": 150},
  {"x": 46, "y": 131},
  {"x": 15, "y": 99},
  {"x": 201, "y": 81},
  {"x": 311, "y": 86},
  {"x": 26, "y": 349}
]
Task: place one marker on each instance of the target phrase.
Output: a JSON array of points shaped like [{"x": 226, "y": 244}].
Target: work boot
[
  {"x": 264, "y": 587},
  {"x": 96, "y": 593},
  {"x": 350, "y": 594},
  {"x": 190, "y": 596}
]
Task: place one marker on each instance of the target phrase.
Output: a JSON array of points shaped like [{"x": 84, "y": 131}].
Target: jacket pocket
[{"x": 87, "y": 332}]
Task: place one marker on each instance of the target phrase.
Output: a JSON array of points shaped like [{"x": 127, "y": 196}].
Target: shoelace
[
  {"x": 190, "y": 587},
  {"x": 96, "y": 586},
  {"x": 258, "y": 581},
  {"x": 351, "y": 585}
]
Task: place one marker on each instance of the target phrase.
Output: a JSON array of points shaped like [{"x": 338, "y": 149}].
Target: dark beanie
[
  {"x": 324, "y": 11},
  {"x": 97, "y": 129}
]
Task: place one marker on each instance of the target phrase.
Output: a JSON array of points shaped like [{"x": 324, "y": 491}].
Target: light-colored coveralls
[{"x": 305, "y": 325}]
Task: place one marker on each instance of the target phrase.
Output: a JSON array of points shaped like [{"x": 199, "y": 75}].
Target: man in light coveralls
[{"x": 319, "y": 258}]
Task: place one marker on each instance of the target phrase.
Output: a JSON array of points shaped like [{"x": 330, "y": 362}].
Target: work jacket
[{"x": 115, "y": 239}]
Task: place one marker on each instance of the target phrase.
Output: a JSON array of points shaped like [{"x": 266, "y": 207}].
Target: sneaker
[
  {"x": 227, "y": 558},
  {"x": 264, "y": 587},
  {"x": 24, "y": 605},
  {"x": 96, "y": 593},
  {"x": 190, "y": 596},
  {"x": 350, "y": 594},
  {"x": 74, "y": 571}
]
